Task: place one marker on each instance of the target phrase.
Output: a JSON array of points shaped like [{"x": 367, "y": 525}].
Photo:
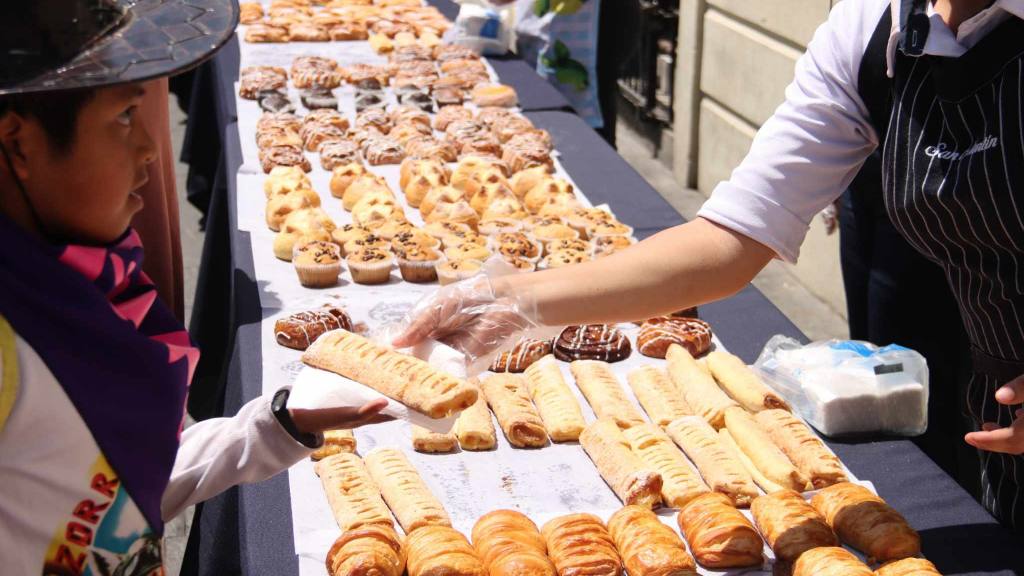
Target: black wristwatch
[{"x": 279, "y": 406}]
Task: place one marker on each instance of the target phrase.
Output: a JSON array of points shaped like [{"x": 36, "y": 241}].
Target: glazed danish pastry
[
  {"x": 719, "y": 535},
  {"x": 604, "y": 393},
  {"x": 866, "y": 522},
  {"x": 579, "y": 545},
  {"x": 657, "y": 334},
  {"x": 555, "y": 402},
  {"x": 301, "y": 329},
  {"x": 790, "y": 525},
  {"x": 648, "y": 547},
  {"x": 633, "y": 481},
  {"x": 519, "y": 358}
]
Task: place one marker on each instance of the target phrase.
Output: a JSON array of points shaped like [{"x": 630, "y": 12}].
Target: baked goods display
[
  {"x": 371, "y": 549},
  {"x": 604, "y": 393},
  {"x": 768, "y": 465},
  {"x": 474, "y": 427},
  {"x": 864, "y": 521},
  {"x": 335, "y": 442},
  {"x": 521, "y": 356},
  {"x": 790, "y": 525},
  {"x": 657, "y": 394},
  {"x": 592, "y": 342},
  {"x": 633, "y": 481},
  {"x": 803, "y": 447},
  {"x": 740, "y": 382},
  {"x": 720, "y": 468},
  {"x": 657, "y": 334},
  {"x": 648, "y": 547},
  {"x": 555, "y": 402},
  {"x": 579, "y": 544},
  {"x": 680, "y": 482},
  {"x": 435, "y": 549},
  {"x": 720, "y": 536},
  {"x": 404, "y": 491},
  {"x": 510, "y": 401},
  {"x": 509, "y": 544},
  {"x": 301, "y": 329},
  {"x": 830, "y": 561},
  {"x": 351, "y": 493},
  {"x": 699, "y": 390},
  {"x": 424, "y": 440}
]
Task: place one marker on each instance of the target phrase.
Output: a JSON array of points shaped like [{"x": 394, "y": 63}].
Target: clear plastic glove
[{"x": 469, "y": 317}]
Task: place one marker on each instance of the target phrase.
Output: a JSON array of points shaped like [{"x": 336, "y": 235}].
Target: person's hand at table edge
[
  {"x": 1008, "y": 440},
  {"x": 319, "y": 420}
]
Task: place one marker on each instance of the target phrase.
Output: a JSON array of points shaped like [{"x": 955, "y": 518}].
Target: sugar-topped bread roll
[
  {"x": 405, "y": 492},
  {"x": 866, "y": 522},
  {"x": 372, "y": 550},
  {"x": 790, "y": 525},
  {"x": 604, "y": 393},
  {"x": 554, "y": 400},
  {"x": 474, "y": 427},
  {"x": 648, "y": 547},
  {"x": 335, "y": 442},
  {"x": 658, "y": 395},
  {"x": 424, "y": 440},
  {"x": 680, "y": 482},
  {"x": 909, "y": 567},
  {"x": 579, "y": 545},
  {"x": 441, "y": 551},
  {"x": 721, "y": 469},
  {"x": 507, "y": 396},
  {"x": 406, "y": 379},
  {"x": 746, "y": 387},
  {"x": 720, "y": 536},
  {"x": 766, "y": 458},
  {"x": 699, "y": 390},
  {"x": 830, "y": 561},
  {"x": 509, "y": 544},
  {"x": 633, "y": 481},
  {"x": 803, "y": 447},
  {"x": 351, "y": 493}
]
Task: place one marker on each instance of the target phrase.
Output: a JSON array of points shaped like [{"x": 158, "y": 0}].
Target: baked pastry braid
[
  {"x": 604, "y": 393},
  {"x": 405, "y": 492},
  {"x": 648, "y": 547},
  {"x": 830, "y": 561},
  {"x": 790, "y": 525},
  {"x": 509, "y": 544},
  {"x": 509, "y": 400},
  {"x": 909, "y": 567},
  {"x": 474, "y": 427},
  {"x": 633, "y": 481},
  {"x": 658, "y": 395},
  {"x": 555, "y": 402},
  {"x": 680, "y": 482},
  {"x": 803, "y": 447},
  {"x": 721, "y": 469},
  {"x": 745, "y": 386},
  {"x": 767, "y": 458},
  {"x": 372, "y": 550},
  {"x": 351, "y": 493},
  {"x": 335, "y": 442},
  {"x": 579, "y": 545},
  {"x": 441, "y": 551},
  {"x": 866, "y": 522},
  {"x": 406, "y": 379},
  {"x": 720, "y": 536},
  {"x": 699, "y": 390},
  {"x": 424, "y": 440}
]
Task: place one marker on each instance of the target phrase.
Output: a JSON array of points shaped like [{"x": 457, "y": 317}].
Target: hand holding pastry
[{"x": 995, "y": 438}]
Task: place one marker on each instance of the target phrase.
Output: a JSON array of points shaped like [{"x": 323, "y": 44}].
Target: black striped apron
[{"x": 953, "y": 180}]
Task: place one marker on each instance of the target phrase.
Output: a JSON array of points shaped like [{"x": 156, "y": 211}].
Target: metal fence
[{"x": 648, "y": 39}]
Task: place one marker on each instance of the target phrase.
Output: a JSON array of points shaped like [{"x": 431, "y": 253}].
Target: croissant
[
  {"x": 736, "y": 378},
  {"x": 721, "y": 469},
  {"x": 699, "y": 390},
  {"x": 648, "y": 547},
  {"x": 803, "y": 447},
  {"x": 866, "y": 522},
  {"x": 909, "y": 567},
  {"x": 372, "y": 550},
  {"x": 790, "y": 525},
  {"x": 604, "y": 393},
  {"x": 441, "y": 551},
  {"x": 474, "y": 427},
  {"x": 658, "y": 395},
  {"x": 830, "y": 561},
  {"x": 507, "y": 396},
  {"x": 335, "y": 442},
  {"x": 351, "y": 492},
  {"x": 680, "y": 482},
  {"x": 404, "y": 491},
  {"x": 554, "y": 400},
  {"x": 720, "y": 536},
  {"x": 579, "y": 545},
  {"x": 632, "y": 481},
  {"x": 509, "y": 544},
  {"x": 765, "y": 457}
]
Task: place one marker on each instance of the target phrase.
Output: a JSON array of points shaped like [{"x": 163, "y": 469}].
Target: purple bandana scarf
[{"x": 123, "y": 359}]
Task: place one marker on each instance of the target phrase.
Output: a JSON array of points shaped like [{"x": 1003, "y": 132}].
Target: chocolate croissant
[
  {"x": 579, "y": 545},
  {"x": 866, "y": 522},
  {"x": 830, "y": 561},
  {"x": 720, "y": 536},
  {"x": 790, "y": 525},
  {"x": 509, "y": 544},
  {"x": 648, "y": 547},
  {"x": 372, "y": 550},
  {"x": 441, "y": 551}
]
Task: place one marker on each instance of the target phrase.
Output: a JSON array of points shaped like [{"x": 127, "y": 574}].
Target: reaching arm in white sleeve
[
  {"x": 219, "y": 453},
  {"x": 810, "y": 150}
]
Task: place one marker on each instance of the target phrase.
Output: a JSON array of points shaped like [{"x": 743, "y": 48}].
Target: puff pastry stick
[
  {"x": 721, "y": 469},
  {"x": 632, "y": 481},
  {"x": 604, "y": 393},
  {"x": 579, "y": 545},
  {"x": 648, "y": 547},
  {"x": 742, "y": 383},
  {"x": 441, "y": 551},
  {"x": 866, "y": 522},
  {"x": 424, "y": 440},
  {"x": 335, "y": 442},
  {"x": 404, "y": 491},
  {"x": 351, "y": 493},
  {"x": 509, "y": 400},
  {"x": 658, "y": 395},
  {"x": 909, "y": 567},
  {"x": 554, "y": 400},
  {"x": 373, "y": 550},
  {"x": 790, "y": 525},
  {"x": 699, "y": 390},
  {"x": 830, "y": 561},
  {"x": 720, "y": 536},
  {"x": 406, "y": 379},
  {"x": 766, "y": 457},
  {"x": 803, "y": 447},
  {"x": 680, "y": 482},
  {"x": 509, "y": 544},
  {"x": 474, "y": 427}
]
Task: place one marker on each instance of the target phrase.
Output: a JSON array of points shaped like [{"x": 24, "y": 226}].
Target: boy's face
[{"x": 87, "y": 194}]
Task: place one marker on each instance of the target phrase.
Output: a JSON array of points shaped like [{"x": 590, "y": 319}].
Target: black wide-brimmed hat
[{"x": 49, "y": 45}]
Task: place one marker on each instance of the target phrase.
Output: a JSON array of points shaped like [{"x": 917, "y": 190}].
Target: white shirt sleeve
[
  {"x": 810, "y": 150},
  {"x": 219, "y": 453}
]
